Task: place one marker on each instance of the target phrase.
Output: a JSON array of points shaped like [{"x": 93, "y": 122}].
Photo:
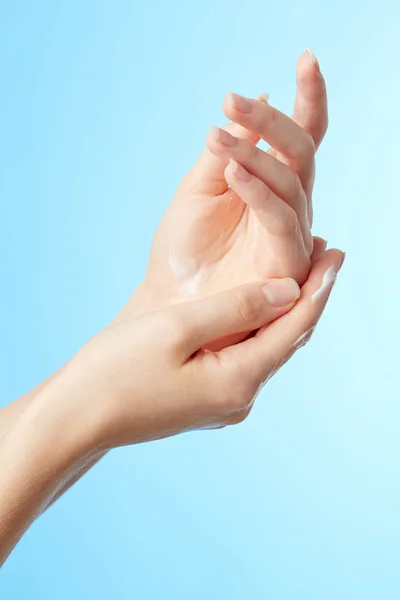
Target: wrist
[
  {"x": 63, "y": 421},
  {"x": 139, "y": 303},
  {"x": 146, "y": 298}
]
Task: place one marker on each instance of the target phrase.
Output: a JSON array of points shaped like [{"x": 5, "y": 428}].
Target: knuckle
[
  {"x": 241, "y": 389},
  {"x": 249, "y": 151},
  {"x": 265, "y": 191},
  {"x": 289, "y": 224},
  {"x": 256, "y": 155},
  {"x": 294, "y": 187},
  {"x": 264, "y": 118},
  {"x": 239, "y": 417},
  {"x": 261, "y": 195},
  {"x": 308, "y": 145},
  {"x": 233, "y": 391},
  {"x": 174, "y": 331},
  {"x": 233, "y": 402},
  {"x": 271, "y": 117},
  {"x": 247, "y": 307}
]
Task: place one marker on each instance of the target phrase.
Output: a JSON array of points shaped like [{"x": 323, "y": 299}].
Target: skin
[
  {"x": 223, "y": 236},
  {"x": 241, "y": 245},
  {"x": 107, "y": 396},
  {"x": 251, "y": 251}
]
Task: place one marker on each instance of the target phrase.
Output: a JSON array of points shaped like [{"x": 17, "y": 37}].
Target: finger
[
  {"x": 311, "y": 103},
  {"x": 207, "y": 174},
  {"x": 240, "y": 309},
  {"x": 279, "y": 178},
  {"x": 279, "y": 130},
  {"x": 264, "y": 354},
  {"x": 319, "y": 247},
  {"x": 278, "y": 219}
]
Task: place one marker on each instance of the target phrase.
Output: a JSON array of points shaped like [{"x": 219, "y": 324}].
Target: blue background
[{"x": 104, "y": 105}]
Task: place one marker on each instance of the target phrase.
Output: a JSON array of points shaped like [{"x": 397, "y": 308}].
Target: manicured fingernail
[
  {"x": 239, "y": 171},
  {"x": 240, "y": 103},
  {"x": 313, "y": 59},
  {"x": 281, "y": 292},
  {"x": 223, "y": 137},
  {"x": 263, "y": 98},
  {"x": 342, "y": 261}
]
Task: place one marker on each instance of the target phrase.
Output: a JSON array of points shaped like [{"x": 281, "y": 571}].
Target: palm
[{"x": 206, "y": 244}]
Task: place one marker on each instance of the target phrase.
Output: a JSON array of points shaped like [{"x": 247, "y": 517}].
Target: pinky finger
[{"x": 319, "y": 247}]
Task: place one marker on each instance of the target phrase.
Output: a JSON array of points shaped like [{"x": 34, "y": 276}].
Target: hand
[
  {"x": 198, "y": 202},
  {"x": 213, "y": 237},
  {"x": 150, "y": 378}
]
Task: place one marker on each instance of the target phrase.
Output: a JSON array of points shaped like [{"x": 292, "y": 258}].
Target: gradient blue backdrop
[{"x": 103, "y": 107}]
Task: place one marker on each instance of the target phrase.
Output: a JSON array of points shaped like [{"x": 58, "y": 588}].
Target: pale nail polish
[
  {"x": 223, "y": 137},
  {"x": 240, "y": 103},
  {"x": 263, "y": 98},
  {"x": 239, "y": 171},
  {"x": 281, "y": 292},
  {"x": 313, "y": 59}
]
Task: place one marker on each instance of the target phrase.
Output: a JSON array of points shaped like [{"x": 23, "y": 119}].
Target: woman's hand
[
  {"x": 214, "y": 237},
  {"x": 203, "y": 201},
  {"x": 150, "y": 377}
]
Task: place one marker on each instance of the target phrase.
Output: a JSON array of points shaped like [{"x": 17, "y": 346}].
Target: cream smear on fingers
[{"x": 328, "y": 280}]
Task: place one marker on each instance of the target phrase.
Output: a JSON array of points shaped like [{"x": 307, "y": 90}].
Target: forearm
[
  {"x": 10, "y": 413},
  {"x": 48, "y": 445},
  {"x": 74, "y": 477}
]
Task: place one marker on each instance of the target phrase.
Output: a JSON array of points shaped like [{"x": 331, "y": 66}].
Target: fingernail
[
  {"x": 240, "y": 103},
  {"x": 223, "y": 137},
  {"x": 263, "y": 98},
  {"x": 313, "y": 59},
  {"x": 239, "y": 171},
  {"x": 281, "y": 292},
  {"x": 342, "y": 261}
]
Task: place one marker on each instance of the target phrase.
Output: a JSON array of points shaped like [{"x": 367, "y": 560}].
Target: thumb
[{"x": 241, "y": 309}]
